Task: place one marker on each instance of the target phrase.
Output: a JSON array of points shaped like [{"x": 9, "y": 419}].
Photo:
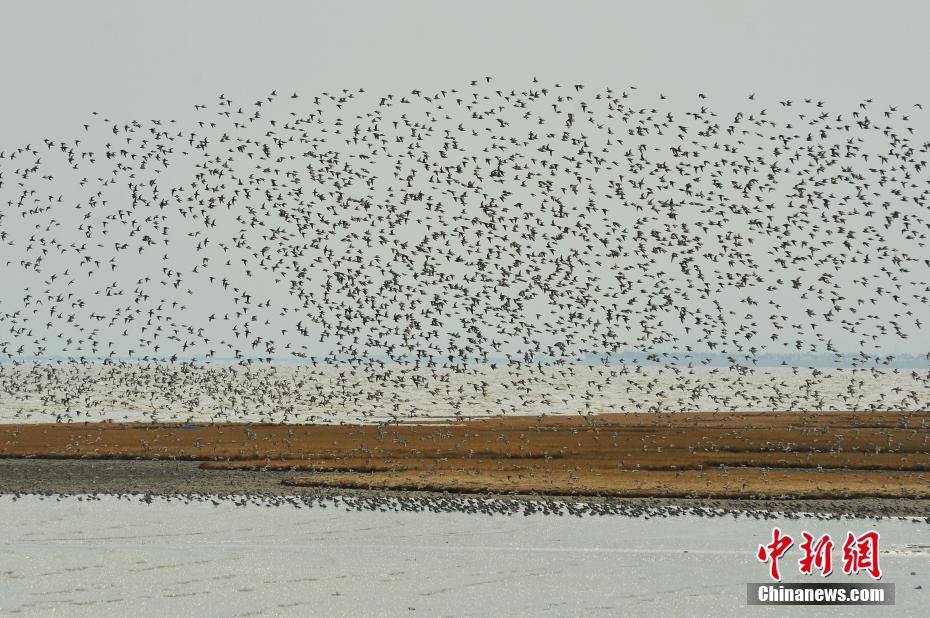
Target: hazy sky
[{"x": 152, "y": 59}]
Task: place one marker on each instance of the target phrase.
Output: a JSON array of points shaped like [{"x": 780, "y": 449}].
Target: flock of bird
[
  {"x": 491, "y": 248},
  {"x": 420, "y": 502}
]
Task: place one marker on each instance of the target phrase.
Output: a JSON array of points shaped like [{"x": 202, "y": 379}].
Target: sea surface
[{"x": 79, "y": 557}]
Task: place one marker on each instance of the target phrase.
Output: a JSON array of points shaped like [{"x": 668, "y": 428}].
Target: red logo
[
  {"x": 817, "y": 555},
  {"x": 860, "y": 553},
  {"x": 773, "y": 551}
]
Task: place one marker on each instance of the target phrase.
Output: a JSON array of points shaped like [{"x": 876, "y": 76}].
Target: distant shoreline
[{"x": 660, "y": 359}]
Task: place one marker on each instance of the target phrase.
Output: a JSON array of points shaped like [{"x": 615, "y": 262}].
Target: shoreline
[{"x": 147, "y": 480}]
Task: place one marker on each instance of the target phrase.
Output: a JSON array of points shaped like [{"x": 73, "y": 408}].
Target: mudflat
[{"x": 754, "y": 455}]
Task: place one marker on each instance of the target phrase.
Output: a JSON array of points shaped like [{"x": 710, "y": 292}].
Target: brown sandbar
[{"x": 782, "y": 454}]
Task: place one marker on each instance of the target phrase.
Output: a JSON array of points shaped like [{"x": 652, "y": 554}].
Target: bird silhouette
[{"x": 480, "y": 249}]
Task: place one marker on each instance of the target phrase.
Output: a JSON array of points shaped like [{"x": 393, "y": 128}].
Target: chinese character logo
[
  {"x": 773, "y": 551},
  {"x": 817, "y": 555},
  {"x": 860, "y": 553}
]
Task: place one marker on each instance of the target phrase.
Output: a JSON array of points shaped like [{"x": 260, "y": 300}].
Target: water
[{"x": 82, "y": 558}]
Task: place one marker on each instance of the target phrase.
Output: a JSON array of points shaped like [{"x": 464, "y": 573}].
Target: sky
[{"x": 146, "y": 60}]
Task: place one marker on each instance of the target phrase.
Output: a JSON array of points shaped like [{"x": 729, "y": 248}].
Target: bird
[{"x": 485, "y": 248}]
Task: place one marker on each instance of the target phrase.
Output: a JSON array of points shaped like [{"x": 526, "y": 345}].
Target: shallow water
[{"x": 82, "y": 558}]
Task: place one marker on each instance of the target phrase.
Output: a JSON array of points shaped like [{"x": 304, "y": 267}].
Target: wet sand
[
  {"x": 186, "y": 480},
  {"x": 828, "y": 455}
]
